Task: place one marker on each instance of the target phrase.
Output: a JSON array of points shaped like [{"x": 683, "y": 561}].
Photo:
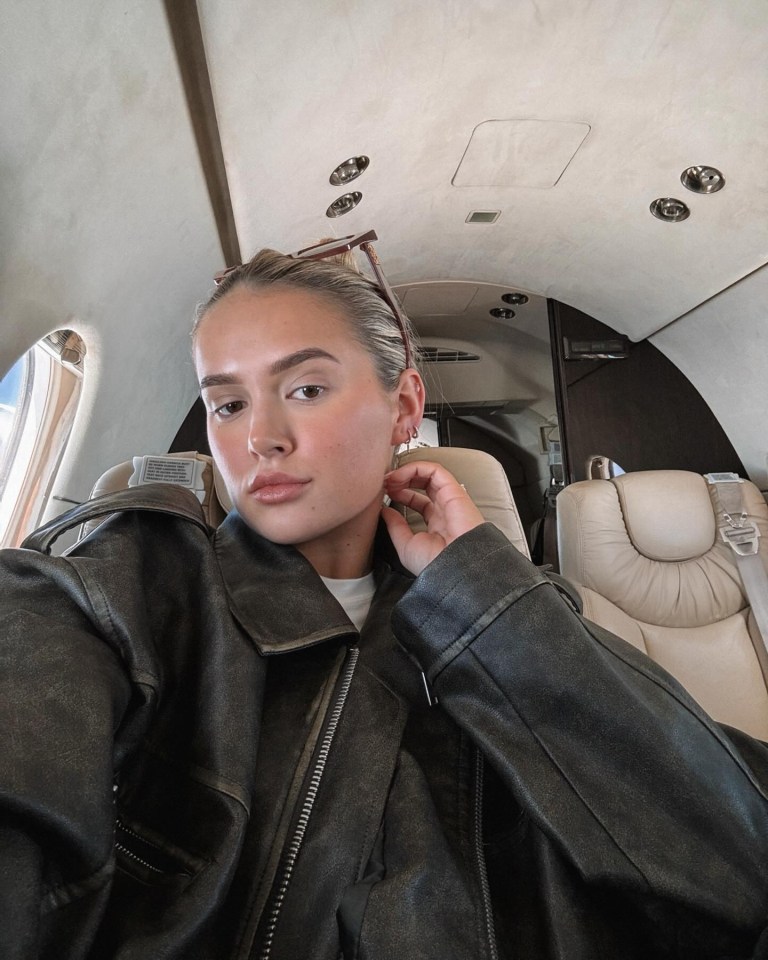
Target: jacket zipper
[
  {"x": 300, "y": 830},
  {"x": 485, "y": 889},
  {"x": 144, "y": 842},
  {"x": 128, "y": 853}
]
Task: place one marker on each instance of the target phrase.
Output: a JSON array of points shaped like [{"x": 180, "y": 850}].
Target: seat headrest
[
  {"x": 193, "y": 470},
  {"x": 668, "y": 513},
  {"x": 485, "y": 482},
  {"x": 648, "y": 543}
]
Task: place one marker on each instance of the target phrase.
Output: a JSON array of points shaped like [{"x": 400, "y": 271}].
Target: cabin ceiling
[
  {"x": 617, "y": 99},
  {"x": 657, "y": 87}
]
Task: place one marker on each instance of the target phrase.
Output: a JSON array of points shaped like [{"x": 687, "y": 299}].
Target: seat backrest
[
  {"x": 166, "y": 468},
  {"x": 644, "y": 551},
  {"x": 486, "y": 483},
  {"x": 482, "y": 475}
]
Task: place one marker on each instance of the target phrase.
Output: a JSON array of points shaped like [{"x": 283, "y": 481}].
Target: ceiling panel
[{"x": 663, "y": 85}]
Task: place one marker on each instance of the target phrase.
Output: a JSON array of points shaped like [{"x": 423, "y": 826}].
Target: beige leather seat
[
  {"x": 118, "y": 477},
  {"x": 644, "y": 551},
  {"x": 485, "y": 481},
  {"x": 481, "y": 474}
]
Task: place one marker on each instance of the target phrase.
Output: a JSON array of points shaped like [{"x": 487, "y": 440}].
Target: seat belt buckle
[{"x": 742, "y": 539}]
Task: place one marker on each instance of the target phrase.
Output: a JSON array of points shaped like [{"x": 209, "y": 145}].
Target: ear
[{"x": 410, "y": 396}]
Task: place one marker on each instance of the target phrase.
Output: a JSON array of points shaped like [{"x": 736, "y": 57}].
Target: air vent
[
  {"x": 702, "y": 179},
  {"x": 670, "y": 209},
  {"x": 483, "y": 216},
  {"x": 343, "y": 204},
  {"x": 349, "y": 170},
  {"x": 445, "y": 355}
]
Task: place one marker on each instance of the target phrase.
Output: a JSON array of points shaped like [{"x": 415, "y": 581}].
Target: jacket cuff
[{"x": 459, "y": 594}]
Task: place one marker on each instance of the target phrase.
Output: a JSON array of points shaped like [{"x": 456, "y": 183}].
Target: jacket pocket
[
  {"x": 354, "y": 901},
  {"x": 146, "y": 857}
]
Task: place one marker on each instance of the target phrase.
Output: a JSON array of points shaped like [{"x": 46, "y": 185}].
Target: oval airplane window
[
  {"x": 38, "y": 400},
  {"x": 14, "y": 399}
]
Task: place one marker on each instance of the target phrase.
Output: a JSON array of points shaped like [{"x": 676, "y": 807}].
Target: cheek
[
  {"x": 225, "y": 447},
  {"x": 364, "y": 445}
]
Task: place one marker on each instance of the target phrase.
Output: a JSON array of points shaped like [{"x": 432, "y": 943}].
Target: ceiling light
[
  {"x": 702, "y": 179},
  {"x": 517, "y": 299},
  {"x": 502, "y": 313},
  {"x": 344, "y": 204},
  {"x": 670, "y": 209},
  {"x": 349, "y": 170}
]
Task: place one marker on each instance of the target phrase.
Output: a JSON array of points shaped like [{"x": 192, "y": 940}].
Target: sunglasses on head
[{"x": 334, "y": 248}]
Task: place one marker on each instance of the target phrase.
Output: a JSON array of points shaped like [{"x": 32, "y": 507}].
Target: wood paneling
[{"x": 640, "y": 411}]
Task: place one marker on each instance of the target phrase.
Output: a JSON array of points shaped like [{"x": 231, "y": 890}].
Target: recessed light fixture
[
  {"x": 670, "y": 209},
  {"x": 343, "y": 204},
  {"x": 517, "y": 299},
  {"x": 483, "y": 216},
  {"x": 349, "y": 170},
  {"x": 502, "y": 313},
  {"x": 702, "y": 179}
]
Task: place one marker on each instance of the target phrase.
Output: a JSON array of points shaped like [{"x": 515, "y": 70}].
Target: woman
[
  {"x": 330, "y": 415},
  {"x": 283, "y": 789}
]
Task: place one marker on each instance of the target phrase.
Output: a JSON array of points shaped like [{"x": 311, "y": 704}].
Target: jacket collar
[{"x": 274, "y": 592}]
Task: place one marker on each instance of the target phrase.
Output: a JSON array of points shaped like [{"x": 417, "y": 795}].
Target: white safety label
[
  {"x": 184, "y": 472},
  {"x": 168, "y": 470}
]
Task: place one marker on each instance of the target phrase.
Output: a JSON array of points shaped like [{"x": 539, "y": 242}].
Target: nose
[{"x": 268, "y": 435}]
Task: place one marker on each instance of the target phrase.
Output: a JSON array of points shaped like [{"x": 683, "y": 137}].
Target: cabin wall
[
  {"x": 722, "y": 347},
  {"x": 107, "y": 226},
  {"x": 639, "y": 411}
]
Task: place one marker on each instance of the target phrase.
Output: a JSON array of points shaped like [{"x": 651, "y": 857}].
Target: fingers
[
  {"x": 399, "y": 530},
  {"x": 414, "y": 500},
  {"x": 423, "y": 475},
  {"x": 436, "y": 494},
  {"x": 432, "y": 491},
  {"x": 438, "y": 486},
  {"x": 416, "y": 550}
]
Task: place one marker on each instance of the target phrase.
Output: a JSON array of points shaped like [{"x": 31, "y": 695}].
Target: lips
[{"x": 276, "y": 488}]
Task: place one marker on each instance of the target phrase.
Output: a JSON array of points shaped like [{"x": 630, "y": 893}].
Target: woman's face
[{"x": 299, "y": 424}]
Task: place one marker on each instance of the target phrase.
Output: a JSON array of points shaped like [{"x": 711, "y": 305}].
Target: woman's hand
[{"x": 441, "y": 500}]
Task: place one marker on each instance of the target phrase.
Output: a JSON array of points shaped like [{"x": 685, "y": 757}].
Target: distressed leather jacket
[{"x": 200, "y": 758}]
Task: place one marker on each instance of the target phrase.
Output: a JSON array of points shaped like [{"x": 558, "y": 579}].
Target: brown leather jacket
[{"x": 200, "y": 758}]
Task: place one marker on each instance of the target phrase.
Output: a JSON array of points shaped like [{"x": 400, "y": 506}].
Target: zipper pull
[{"x": 431, "y": 698}]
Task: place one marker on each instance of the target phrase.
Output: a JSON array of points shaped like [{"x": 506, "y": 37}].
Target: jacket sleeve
[
  {"x": 63, "y": 694},
  {"x": 629, "y": 778}
]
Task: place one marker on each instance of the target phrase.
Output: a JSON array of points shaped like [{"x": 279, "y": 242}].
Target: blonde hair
[{"x": 337, "y": 281}]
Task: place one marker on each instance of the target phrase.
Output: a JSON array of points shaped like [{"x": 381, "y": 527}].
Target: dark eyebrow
[
  {"x": 279, "y": 366},
  {"x": 300, "y": 356},
  {"x": 218, "y": 380}
]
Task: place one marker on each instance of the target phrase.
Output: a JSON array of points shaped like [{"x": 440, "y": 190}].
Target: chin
[{"x": 286, "y": 533}]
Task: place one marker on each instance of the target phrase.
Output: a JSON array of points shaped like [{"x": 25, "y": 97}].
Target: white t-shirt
[{"x": 354, "y": 596}]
